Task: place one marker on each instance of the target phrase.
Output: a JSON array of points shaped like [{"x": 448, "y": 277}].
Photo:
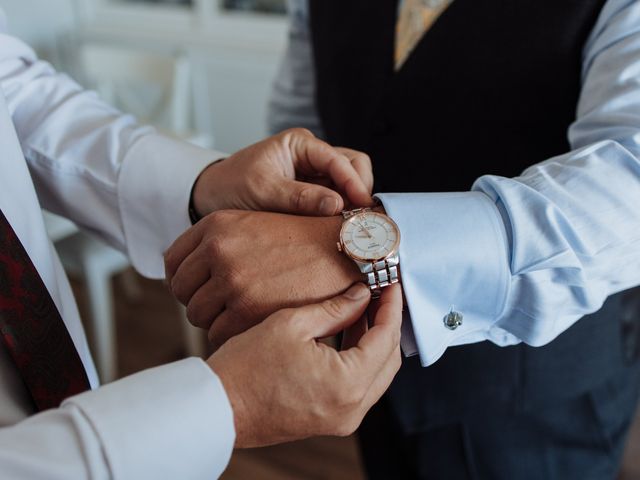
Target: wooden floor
[{"x": 149, "y": 335}]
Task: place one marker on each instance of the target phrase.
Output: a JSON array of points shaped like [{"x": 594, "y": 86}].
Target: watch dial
[{"x": 370, "y": 236}]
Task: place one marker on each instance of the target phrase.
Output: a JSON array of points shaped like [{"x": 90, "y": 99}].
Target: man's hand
[
  {"x": 234, "y": 268},
  {"x": 292, "y": 172},
  {"x": 284, "y": 385}
]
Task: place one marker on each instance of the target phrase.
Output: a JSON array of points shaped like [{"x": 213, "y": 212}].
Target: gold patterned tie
[{"x": 416, "y": 17}]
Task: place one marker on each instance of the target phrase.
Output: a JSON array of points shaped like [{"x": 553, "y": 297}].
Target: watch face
[{"x": 370, "y": 236}]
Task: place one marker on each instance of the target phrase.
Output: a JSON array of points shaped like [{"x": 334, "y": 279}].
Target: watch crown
[{"x": 339, "y": 246}]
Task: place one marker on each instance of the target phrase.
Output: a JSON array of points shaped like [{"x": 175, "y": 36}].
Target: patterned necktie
[
  {"x": 32, "y": 330},
  {"x": 416, "y": 17}
]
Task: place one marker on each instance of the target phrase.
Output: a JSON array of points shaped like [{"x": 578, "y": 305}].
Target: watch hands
[{"x": 365, "y": 231}]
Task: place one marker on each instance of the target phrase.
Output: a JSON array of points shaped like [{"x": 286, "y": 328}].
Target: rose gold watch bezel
[{"x": 387, "y": 218}]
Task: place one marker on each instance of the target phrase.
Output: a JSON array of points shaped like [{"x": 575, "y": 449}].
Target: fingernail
[
  {"x": 357, "y": 292},
  {"x": 328, "y": 206}
]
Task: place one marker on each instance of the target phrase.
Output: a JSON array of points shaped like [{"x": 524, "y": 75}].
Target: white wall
[
  {"x": 41, "y": 22},
  {"x": 237, "y": 67},
  {"x": 239, "y": 85}
]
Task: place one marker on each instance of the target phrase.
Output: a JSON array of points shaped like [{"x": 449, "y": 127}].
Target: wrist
[
  {"x": 194, "y": 216},
  {"x": 346, "y": 267},
  {"x": 205, "y": 191},
  {"x": 238, "y": 405}
]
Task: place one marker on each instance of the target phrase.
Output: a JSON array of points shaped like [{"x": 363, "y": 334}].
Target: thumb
[
  {"x": 303, "y": 198},
  {"x": 331, "y": 316}
]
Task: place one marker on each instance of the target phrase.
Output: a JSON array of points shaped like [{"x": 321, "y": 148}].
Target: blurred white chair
[{"x": 157, "y": 89}]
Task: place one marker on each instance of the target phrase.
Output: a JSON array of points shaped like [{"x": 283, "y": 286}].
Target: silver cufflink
[{"x": 452, "y": 320}]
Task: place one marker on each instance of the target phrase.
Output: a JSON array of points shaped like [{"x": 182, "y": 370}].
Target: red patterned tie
[{"x": 32, "y": 330}]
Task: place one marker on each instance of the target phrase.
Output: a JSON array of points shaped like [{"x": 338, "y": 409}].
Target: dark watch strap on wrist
[{"x": 193, "y": 215}]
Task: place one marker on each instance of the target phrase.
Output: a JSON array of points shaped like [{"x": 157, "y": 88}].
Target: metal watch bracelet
[{"x": 383, "y": 273}]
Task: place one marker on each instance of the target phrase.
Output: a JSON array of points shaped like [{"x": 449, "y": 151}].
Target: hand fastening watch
[{"x": 371, "y": 240}]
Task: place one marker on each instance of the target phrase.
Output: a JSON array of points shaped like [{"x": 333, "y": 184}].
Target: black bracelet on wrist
[{"x": 193, "y": 214}]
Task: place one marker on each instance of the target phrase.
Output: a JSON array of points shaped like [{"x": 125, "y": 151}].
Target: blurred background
[
  {"x": 201, "y": 70},
  {"x": 229, "y": 47}
]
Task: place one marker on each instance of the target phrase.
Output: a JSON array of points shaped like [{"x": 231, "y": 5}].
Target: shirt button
[{"x": 452, "y": 320}]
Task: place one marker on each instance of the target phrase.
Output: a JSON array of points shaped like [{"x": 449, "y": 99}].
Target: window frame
[{"x": 205, "y": 21}]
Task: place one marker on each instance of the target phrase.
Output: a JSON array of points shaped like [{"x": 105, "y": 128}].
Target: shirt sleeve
[
  {"x": 524, "y": 258},
  {"x": 139, "y": 427},
  {"x": 96, "y": 166},
  {"x": 293, "y": 102}
]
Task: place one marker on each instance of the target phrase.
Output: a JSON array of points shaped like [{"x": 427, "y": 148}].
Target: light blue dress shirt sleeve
[
  {"x": 524, "y": 258},
  {"x": 292, "y": 101}
]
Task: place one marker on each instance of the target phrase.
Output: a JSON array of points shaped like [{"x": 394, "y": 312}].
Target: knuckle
[
  {"x": 364, "y": 158},
  {"x": 195, "y": 316},
  {"x": 347, "y": 399},
  {"x": 214, "y": 245},
  {"x": 297, "y": 324},
  {"x": 175, "y": 287},
  {"x": 181, "y": 296},
  {"x": 289, "y": 316},
  {"x": 353, "y": 398},
  {"x": 287, "y": 319},
  {"x": 169, "y": 263},
  {"x": 237, "y": 284},
  {"x": 332, "y": 307},
  {"x": 347, "y": 427},
  {"x": 294, "y": 135},
  {"x": 244, "y": 302},
  {"x": 300, "y": 198},
  {"x": 218, "y": 218},
  {"x": 299, "y": 131},
  {"x": 214, "y": 339}
]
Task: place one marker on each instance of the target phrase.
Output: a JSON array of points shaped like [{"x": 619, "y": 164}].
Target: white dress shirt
[
  {"x": 521, "y": 258},
  {"x": 65, "y": 150}
]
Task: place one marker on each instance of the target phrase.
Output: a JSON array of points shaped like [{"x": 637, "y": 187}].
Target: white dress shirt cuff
[
  {"x": 173, "y": 421},
  {"x": 154, "y": 188},
  {"x": 453, "y": 256}
]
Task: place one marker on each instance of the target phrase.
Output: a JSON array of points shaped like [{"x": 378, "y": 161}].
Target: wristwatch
[{"x": 371, "y": 239}]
